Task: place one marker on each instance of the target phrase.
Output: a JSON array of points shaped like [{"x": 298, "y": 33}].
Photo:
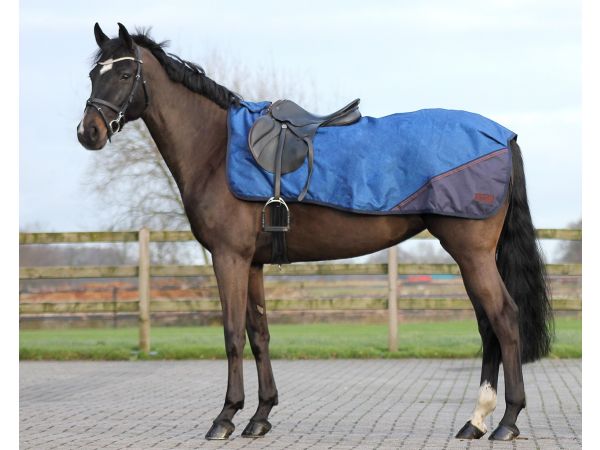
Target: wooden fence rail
[
  {"x": 83, "y": 237},
  {"x": 144, "y": 271},
  {"x": 53, "y": 272}
]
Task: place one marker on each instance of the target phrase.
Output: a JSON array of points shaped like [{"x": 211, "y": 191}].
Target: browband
[{"x": 124, "y": 58}]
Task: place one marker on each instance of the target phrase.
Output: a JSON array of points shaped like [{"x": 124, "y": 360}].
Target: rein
[{"x": 115, "y": 125}]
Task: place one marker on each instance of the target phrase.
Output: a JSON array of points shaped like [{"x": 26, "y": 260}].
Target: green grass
[{"x": 454, "y": 339}]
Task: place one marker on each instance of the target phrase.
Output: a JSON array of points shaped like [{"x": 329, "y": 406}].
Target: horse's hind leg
[
  {"x": 473, "y": 245},
  {"x": 486, "y": 400},
  {"x": 484, "y": 282},
  {"x": 258, "y": 335}
]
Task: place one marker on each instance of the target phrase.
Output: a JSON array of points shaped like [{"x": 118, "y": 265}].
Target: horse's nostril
[{"x": 94, "y": 132}]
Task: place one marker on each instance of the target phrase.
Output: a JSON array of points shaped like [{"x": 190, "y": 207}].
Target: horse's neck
[{"x": 190, "y": 131}]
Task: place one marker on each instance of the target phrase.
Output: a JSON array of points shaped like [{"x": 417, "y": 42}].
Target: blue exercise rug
[{"x": 438, "y": 161}]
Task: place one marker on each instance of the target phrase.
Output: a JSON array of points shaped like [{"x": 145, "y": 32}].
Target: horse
[{"x": 185, "y": 111}]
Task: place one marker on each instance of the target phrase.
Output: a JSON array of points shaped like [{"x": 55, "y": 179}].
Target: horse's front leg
[
  {"x": 258, "y": 334},
  {"x": 232, "y": 277}
]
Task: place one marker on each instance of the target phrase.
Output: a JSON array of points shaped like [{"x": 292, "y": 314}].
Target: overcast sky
[{"x": 516, "y": 62}]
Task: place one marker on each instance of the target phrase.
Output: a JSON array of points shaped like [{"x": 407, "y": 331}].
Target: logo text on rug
[{"x": 483, "y": 198}]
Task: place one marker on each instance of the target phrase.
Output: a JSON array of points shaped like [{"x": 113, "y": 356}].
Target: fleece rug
[{"x": 437, "y": 161}]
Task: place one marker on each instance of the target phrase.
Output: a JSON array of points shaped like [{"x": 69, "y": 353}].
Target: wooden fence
[{"x": 144, "y": 271}]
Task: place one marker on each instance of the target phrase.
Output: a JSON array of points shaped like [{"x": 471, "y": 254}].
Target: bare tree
[
  {"x": 131, "y": 181},
  {"x": 134, "y": 183},
  {"x": 135, "y": 189}
]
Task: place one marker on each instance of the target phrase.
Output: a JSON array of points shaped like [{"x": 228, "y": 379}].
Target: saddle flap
[{"x": 263, "y": 141}]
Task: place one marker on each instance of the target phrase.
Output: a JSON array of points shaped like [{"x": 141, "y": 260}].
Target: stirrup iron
[{"x": 285, "y": 217}]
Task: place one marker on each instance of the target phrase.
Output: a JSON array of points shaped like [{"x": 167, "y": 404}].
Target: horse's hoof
[
  {"x": 469, "y": 431},
  {"x": 505, "y": 433},
  {"x": 256, "y": 428},
  {"x": 220, "y": 430}
]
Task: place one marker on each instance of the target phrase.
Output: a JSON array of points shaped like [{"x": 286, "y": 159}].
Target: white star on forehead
[
  {"x": 105, "y": 68},
  {"x": 107, "y": 64}
]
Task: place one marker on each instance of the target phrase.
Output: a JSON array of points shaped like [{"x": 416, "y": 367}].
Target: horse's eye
[{"x": 125, "y": 76}]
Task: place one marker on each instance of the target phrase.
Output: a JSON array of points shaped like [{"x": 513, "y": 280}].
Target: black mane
[{"x": 189, "y": 74}]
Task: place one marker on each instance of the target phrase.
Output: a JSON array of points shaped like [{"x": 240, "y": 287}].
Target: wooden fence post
[
  {"x": 144, "y": 289},
  {"x": 393, "y": 299}
]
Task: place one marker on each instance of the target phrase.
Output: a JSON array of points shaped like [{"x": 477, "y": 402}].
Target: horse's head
[{"x": 118, "y": 89}]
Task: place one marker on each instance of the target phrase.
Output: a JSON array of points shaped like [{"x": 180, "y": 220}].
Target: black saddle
[{"x": 281, "y": 140}]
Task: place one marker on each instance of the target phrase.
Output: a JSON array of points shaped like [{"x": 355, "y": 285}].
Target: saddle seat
[{"x": 287, "y": 110}]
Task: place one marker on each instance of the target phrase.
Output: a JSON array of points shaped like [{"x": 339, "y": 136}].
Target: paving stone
[{"x": 339, "y": 404}]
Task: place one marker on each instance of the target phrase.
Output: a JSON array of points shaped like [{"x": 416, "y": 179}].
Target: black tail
[{"x": 520, "y": 264}]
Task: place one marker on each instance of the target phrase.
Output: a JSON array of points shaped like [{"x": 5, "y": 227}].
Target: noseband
[{"x": 115, "y": 125}]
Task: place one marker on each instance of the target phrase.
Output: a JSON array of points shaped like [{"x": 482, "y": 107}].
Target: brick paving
[{"x": 341, "y": 404}]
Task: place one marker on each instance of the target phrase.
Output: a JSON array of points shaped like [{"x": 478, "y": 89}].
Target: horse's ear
[
  {"x": 101, "y": 38},
  {"x": 125, "y": 36}
]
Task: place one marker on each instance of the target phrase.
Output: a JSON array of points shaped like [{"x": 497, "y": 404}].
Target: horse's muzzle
[{"x": 91, "y": 134}]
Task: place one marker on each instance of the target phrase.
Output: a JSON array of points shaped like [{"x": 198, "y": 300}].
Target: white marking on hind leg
[{"x": 486, "y": 404}]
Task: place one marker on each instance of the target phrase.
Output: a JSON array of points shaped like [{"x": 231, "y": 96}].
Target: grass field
[{"x": 456, "y": 339}]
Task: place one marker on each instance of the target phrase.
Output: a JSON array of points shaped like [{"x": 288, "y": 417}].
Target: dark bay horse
[{"x": 186, "y": 113}]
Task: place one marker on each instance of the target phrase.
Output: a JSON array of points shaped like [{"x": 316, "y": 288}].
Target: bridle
[{"x": 115, "y": 125}]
